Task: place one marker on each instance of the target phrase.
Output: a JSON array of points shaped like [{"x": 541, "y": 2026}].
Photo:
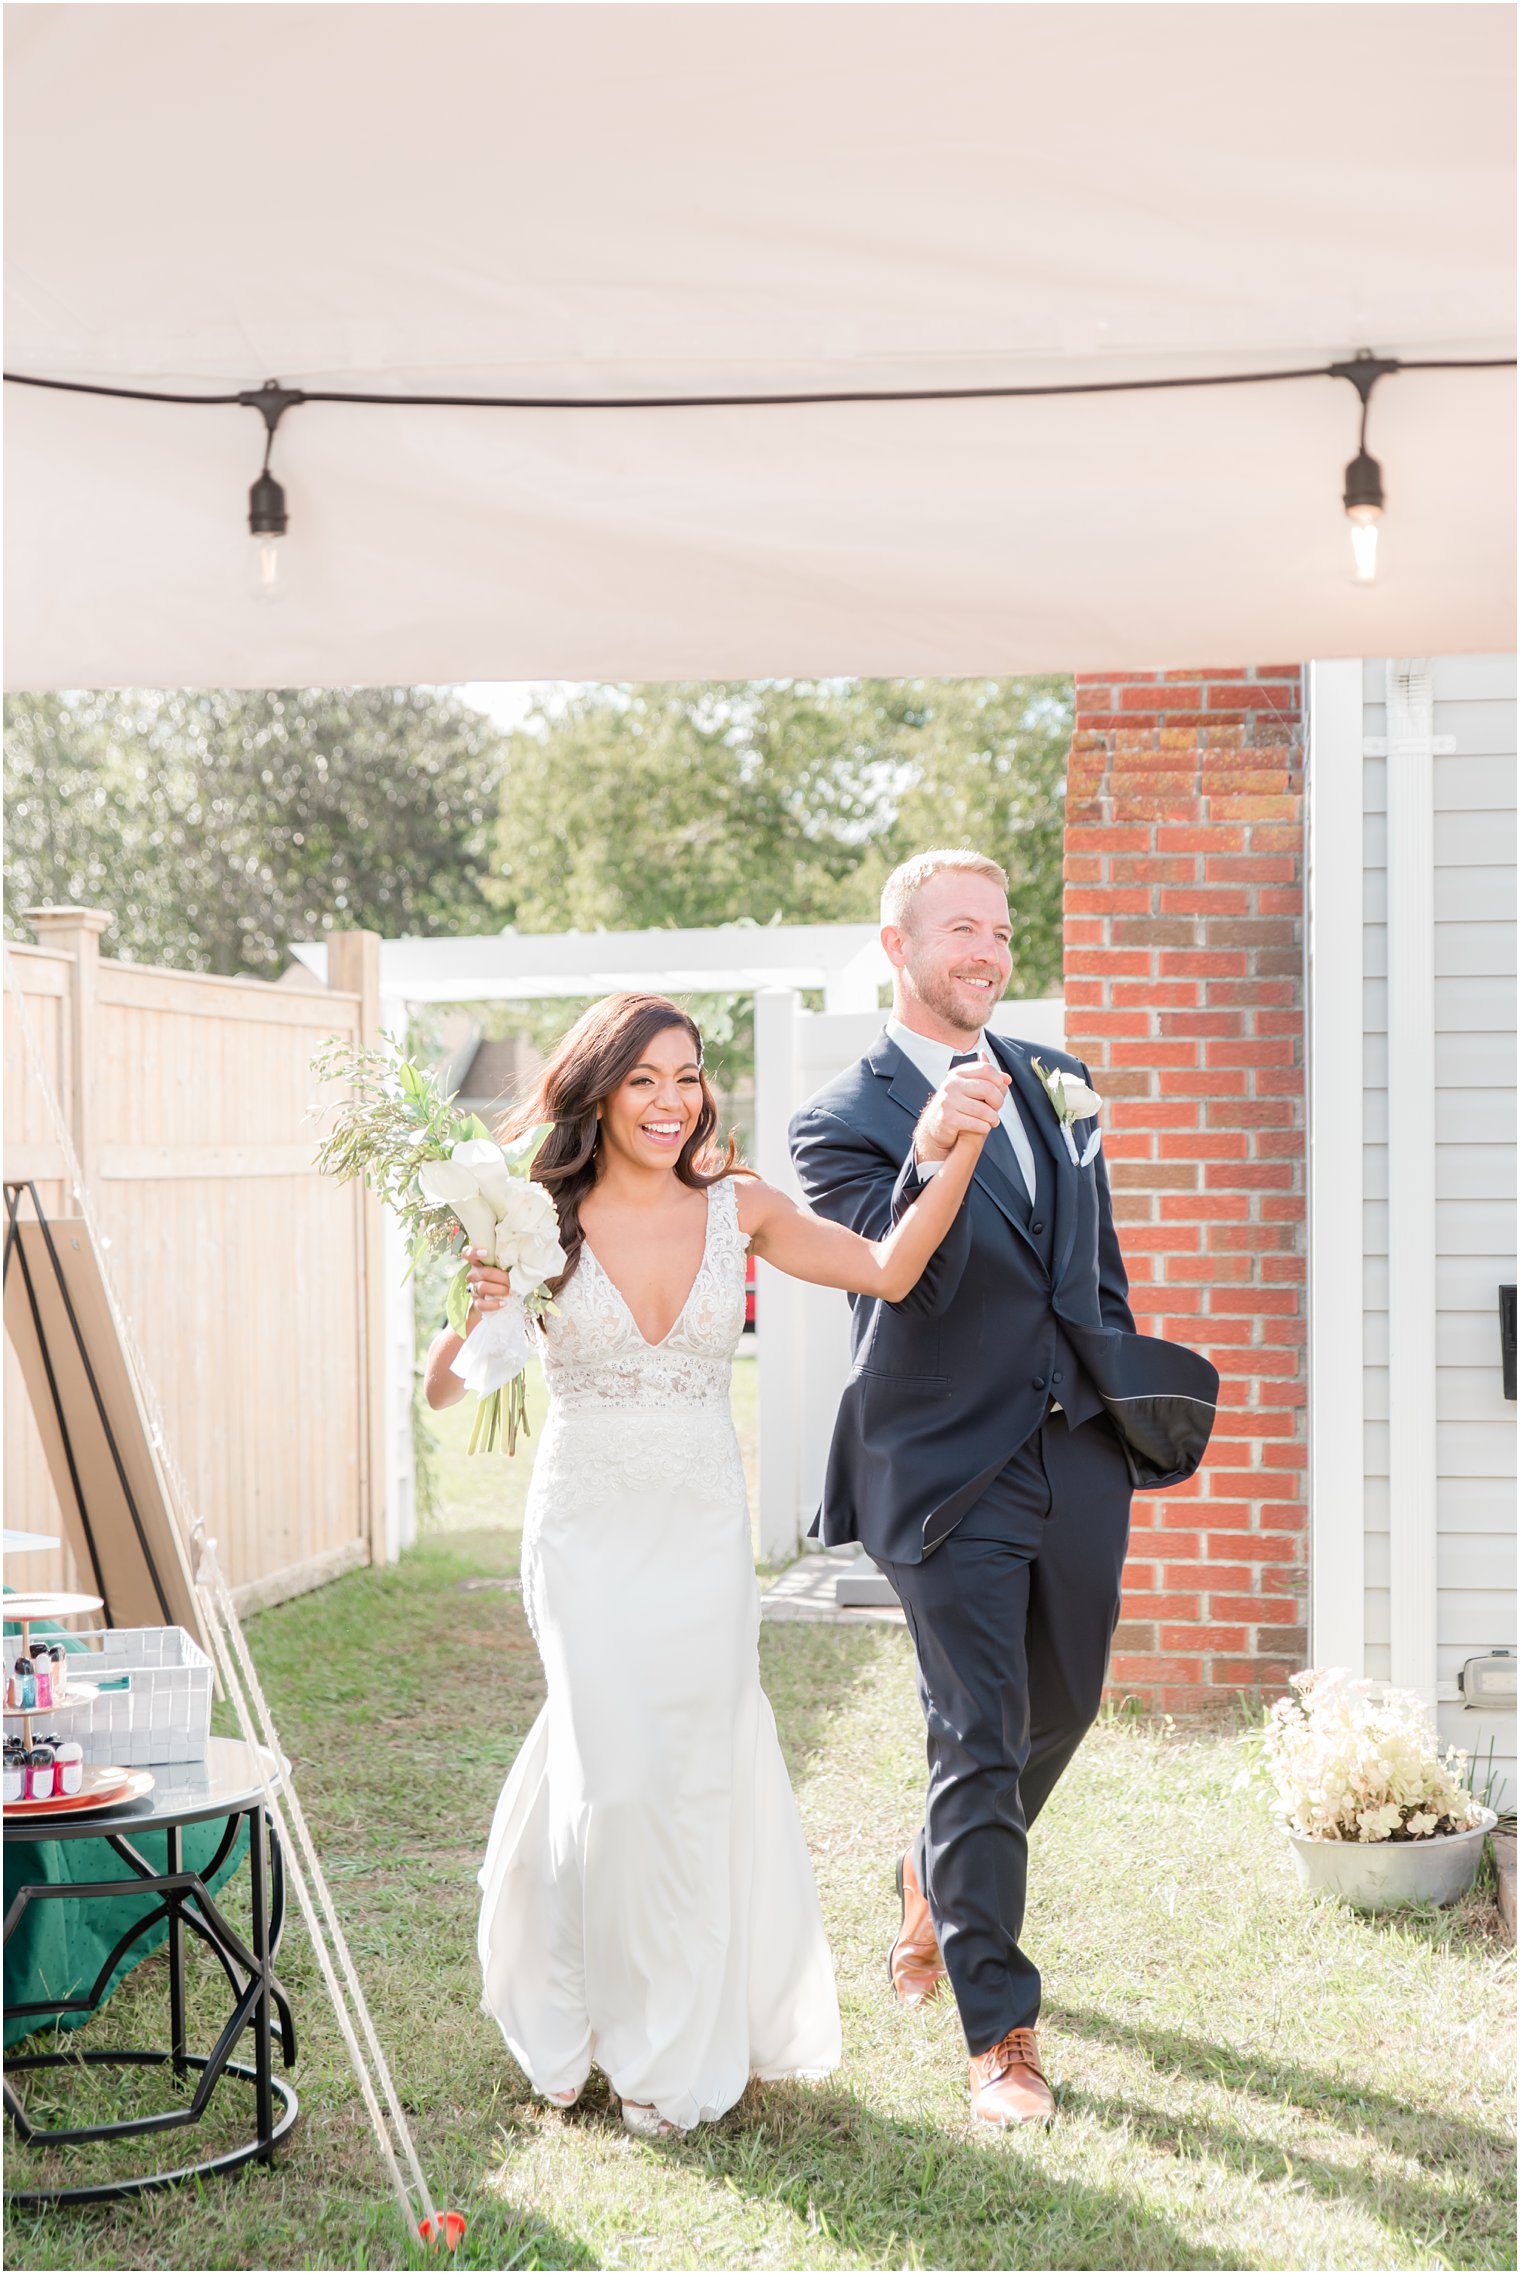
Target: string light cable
[
  {"x": 239, "y": 1679},
  {"x": 268, "y": 519}
]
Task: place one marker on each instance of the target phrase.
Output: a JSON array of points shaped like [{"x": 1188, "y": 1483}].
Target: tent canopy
[{"x": 576, "y": 200}]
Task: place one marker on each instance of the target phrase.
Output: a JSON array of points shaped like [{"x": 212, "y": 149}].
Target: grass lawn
[{"x": 1247, "y": 2079}]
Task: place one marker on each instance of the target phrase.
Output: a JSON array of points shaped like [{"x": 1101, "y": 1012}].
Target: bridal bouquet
[{"x": 452, "y": 1186}]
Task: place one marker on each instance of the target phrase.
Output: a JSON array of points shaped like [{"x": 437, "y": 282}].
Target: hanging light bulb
[
  {"x": 1363, "y": 499},
  {"x": 1364, "y": 541},
  {"x": 266, "y": 523},
  {"x": 1363, "y": 494},
  {"x": 267, "y": 518}
]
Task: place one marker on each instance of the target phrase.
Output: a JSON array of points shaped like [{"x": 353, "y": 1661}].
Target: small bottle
[
  {"x": 59, "y": 1661},
  {"x": 15, "y": 1688},
  {"x": 39, "y": 1773},
  {"x": 69, "y": 1766},
  {"x": 25, "y": 1683},
  {"x": 42, "y": 1676},
  {"x": 15, "y": 1775}
]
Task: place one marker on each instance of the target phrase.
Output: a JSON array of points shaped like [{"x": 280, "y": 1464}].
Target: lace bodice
[{"x": 594, "y": 1354}]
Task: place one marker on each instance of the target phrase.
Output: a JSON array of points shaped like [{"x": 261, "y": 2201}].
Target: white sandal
[
  {"x": 639, "y": 2117},
  {"x": 564, "y": 2099}
]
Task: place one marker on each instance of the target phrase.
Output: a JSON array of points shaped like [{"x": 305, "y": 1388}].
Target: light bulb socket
[
  {"x": 1363, "y": 496},
  {"x": 266, "y": 507}
]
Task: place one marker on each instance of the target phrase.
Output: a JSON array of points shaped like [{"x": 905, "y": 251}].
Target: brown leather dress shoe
[
  {"x": 914, "y": 1962},
  {"x": 1008, "y": 2085}
]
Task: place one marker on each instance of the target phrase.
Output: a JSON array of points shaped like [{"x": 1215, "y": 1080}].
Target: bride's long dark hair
[{"x": 594, "y": 1059}]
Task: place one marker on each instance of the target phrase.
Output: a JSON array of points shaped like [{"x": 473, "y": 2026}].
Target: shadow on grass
[
  {"x": 808, "y": 1670},
  {"x": 882, "y": 2188},
  {"x": 1404, "y": 2125},
  {"x": 1453, "y": 2156}
]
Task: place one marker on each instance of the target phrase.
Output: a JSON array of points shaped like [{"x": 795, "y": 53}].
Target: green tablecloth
[{"x": 59, "y": 1947}]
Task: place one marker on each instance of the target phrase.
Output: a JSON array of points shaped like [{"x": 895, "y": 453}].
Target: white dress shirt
[{"x": 933, "y": 1061}]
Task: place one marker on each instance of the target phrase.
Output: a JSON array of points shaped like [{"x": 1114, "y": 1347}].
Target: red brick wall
[{"x": 1185, "y": 995}]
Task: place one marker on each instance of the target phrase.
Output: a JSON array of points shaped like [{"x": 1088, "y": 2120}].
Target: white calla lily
[
  {"x": 455, "y": 1187},
  {"x": 487, "y": 1163},
  {"x": 446, "y": 1181}
]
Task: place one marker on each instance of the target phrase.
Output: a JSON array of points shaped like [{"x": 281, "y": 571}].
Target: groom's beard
[{"x": 954, "y": 1003}]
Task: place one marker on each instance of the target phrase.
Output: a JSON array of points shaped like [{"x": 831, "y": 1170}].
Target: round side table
[{"x": 226, "y": 1784}]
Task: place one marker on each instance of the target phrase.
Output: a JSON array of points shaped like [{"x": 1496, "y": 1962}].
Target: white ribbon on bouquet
[{"x": 497, "y": 1350}]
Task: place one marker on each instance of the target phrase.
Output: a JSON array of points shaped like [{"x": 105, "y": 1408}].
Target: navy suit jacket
[{"x": 948, "y": 1383}]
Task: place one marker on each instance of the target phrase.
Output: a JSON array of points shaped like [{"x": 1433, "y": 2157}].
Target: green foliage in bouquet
[
  {"x": 395, "y": 1119},
  {"x": 444, "y": 1177}
]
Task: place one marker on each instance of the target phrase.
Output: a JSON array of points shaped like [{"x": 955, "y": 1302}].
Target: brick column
[{"x": 1185, "y": 995}]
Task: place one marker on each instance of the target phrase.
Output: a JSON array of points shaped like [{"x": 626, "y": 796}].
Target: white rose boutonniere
[{"x": 1073, "y": 1101}]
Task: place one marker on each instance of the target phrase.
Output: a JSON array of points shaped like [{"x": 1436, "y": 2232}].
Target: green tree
[
  {"x": 982, "y": 762},
  {"x": 219, "y": 826},
  {"x": 703, "y": 803}
]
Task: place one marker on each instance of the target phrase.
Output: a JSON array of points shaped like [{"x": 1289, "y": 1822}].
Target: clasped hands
[{"x": 968, "y": 1103}]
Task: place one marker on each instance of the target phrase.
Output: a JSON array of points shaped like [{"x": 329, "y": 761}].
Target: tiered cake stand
[{"x": 100, "y": 1787}]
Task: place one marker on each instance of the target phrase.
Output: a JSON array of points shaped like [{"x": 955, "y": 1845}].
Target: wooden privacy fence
[{"x": 253, "y": 1282}]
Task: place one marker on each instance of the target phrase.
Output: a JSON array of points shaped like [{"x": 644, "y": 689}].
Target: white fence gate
[{"x": 804, "y": 1340}]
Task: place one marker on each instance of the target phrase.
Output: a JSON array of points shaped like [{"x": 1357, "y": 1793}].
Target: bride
[{"x": 648, "y": 1903}]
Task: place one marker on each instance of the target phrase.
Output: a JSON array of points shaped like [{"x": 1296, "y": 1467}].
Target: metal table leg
[
  {"x": 263, "y": 2066},
  {"x": 257, "y": 1997},
  {"x": 173, "y": 1853}
]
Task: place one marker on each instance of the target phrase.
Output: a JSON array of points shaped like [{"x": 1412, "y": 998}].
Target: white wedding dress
[{"x": 648, "y": 1902}]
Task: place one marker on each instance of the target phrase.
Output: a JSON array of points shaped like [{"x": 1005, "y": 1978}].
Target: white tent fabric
[{"x": 573, "y": 200}]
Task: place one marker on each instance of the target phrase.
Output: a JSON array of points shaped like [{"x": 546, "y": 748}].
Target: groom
[{"x": 993, "y": 1427}]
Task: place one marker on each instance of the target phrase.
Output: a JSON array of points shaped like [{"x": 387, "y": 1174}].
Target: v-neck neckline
[{"x": 628, "y": 1310}]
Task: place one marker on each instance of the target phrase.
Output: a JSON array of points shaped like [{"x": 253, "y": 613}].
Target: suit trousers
[{"x": 1011, "y": 1618}]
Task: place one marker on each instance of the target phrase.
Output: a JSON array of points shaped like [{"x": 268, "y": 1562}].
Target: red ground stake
[{"x": 447, "y": 2228}]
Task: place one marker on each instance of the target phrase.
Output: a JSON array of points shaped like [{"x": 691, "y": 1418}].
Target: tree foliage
[
  {"x": 219, "y": 826},
  {"x": 789, "y": 801}
]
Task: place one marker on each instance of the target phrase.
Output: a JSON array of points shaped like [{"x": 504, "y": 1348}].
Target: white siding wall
[{"x": 1474, "y": 699}]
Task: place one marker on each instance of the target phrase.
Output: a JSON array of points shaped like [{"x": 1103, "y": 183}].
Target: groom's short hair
[{"x": 907, "y": 879}]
